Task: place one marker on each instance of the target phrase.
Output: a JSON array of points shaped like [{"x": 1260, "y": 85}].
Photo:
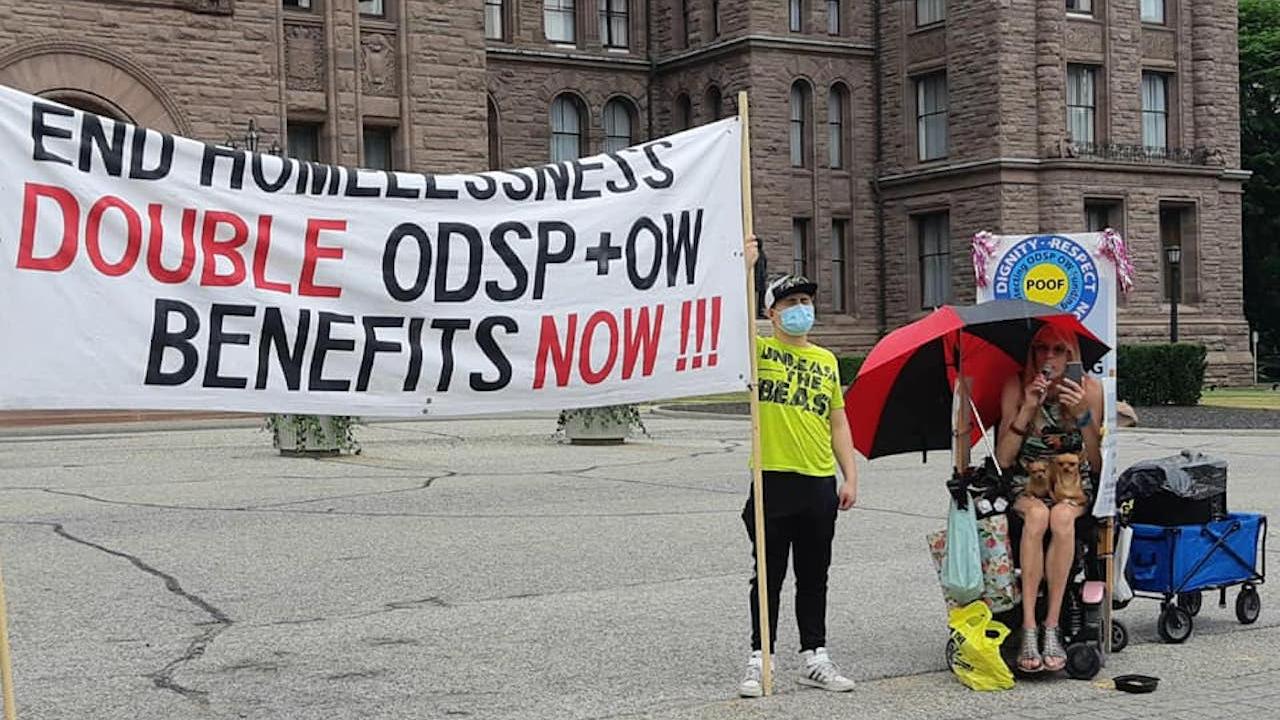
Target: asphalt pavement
[{"x": 484, "y": 568}]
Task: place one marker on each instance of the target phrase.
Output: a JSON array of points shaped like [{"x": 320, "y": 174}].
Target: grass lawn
[
  {"x": 705, "y": 399},
  {"x": 1260, "y": 397}
]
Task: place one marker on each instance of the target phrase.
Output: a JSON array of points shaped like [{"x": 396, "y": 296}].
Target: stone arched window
[
  {"x": 801, "y": 99},
  {"x": 619, "y": 124},
  {"x": 568, "y": 128},
  {"x": 837, "y": 110},
  {"x": 495, "y": 137}
]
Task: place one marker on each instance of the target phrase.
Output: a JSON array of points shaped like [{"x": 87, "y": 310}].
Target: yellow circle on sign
[{"x": 1046, "y": 284}]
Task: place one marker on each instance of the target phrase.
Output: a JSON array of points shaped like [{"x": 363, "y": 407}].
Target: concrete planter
[
  {"x": 309, "y": 435},
  {"x": 596, "y": 427}
]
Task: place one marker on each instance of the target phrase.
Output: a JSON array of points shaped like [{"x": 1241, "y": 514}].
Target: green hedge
[
  {"x": 849, "y": 365},
  {"x": 1160, "y": 374}
]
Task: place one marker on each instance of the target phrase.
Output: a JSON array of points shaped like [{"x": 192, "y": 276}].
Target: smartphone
[{"x": 1074, "y": 373}]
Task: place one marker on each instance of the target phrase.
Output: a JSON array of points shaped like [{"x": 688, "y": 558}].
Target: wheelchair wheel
[
  {"x": 1083, "y": 661},
  {"x": 1248, "y": 605},
  {"x": 1190, "y": 601},
  {"x": 1175, "y": 624},
  {"x": 1119, "y": 636}
]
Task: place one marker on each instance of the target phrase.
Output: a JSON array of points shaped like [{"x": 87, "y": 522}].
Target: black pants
[{"x": 800, "y": 522}]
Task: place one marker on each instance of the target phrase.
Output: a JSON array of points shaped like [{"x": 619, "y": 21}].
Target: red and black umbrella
[{"x": 901, "y": 400}]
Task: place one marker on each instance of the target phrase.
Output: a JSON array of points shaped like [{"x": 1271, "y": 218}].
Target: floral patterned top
[{"x": 1057, "y": 435}]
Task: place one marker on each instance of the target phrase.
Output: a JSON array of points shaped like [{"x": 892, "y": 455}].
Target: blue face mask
[{"x": 796, "y": 320}]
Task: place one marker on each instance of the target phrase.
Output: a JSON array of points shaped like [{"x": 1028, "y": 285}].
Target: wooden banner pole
[
  {"x": 6, "y": 670},
  {"x": 757, "y": 478},
  {"x": 961, "y": 429}
]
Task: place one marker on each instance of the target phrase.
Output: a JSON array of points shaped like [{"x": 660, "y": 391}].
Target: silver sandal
[
  {"x": 1030, "y": 652},
  {"x": 1055, "y": 658}
]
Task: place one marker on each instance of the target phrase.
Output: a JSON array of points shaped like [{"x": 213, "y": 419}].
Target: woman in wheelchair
[{"x": 1050, "y": 435}]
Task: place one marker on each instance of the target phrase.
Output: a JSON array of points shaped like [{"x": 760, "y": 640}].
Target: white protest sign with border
[
  {"x": 146, "y": 271},
  {"x": 1077, "y": 273}
]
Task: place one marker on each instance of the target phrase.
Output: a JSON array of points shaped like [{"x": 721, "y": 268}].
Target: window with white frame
[
  {"x": 1082, "y": 103},
  {"x": 617, "y": 125},
  {"x": 373, "y": 8},
  {"x": 931, "y": 116},
  {"x": 560, "y": 20},
  {"x": 1080, "y": 7},
  {"x": 929, "y": 12},
  {"x": 839, "y": 268},
  {"x": 614, "y": 16},
  {"x": 566, "y": 128},
  {"x": 799, "y": 115},
  {"x": 833, "y": 17},
  {"x": 493, "y": 19},
  {"x": 933, "y": 235},
  {"x": 836, "y": 100},
  {"x": 1155, "y": 110},
  {"x": 1153, "y": 11},
  {"x": 795, "y": 15}
]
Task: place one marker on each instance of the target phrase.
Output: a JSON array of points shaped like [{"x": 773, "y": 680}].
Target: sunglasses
[{"x": 1047, "y": 349}]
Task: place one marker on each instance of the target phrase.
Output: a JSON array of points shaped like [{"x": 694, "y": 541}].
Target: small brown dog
[
  {"x": 1039, "y": 482},
  {"x": 1067, "y": 485}
]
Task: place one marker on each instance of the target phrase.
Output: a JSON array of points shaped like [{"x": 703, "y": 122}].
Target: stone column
[{"x": 1050, "y": 74}]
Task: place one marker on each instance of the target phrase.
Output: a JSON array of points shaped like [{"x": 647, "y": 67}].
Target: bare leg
[
  {"x": 1035, "y": 522},
  {"x": 1062, "y": 543},
  {"x": 1035, "y": 517},
  {"x": 1062, "y": 548}
]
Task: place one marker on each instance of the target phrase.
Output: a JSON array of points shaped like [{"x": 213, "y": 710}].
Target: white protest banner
[
  {"x": 141, "y": 270},
  {"x": 1078, "y": 274}
]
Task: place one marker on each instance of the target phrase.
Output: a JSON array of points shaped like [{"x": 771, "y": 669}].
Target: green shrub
[
  {"x": 1160, "y": 374},
  {"x": 849, "y": 365}
]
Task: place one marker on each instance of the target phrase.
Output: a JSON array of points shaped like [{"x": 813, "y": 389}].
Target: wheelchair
[{"x": 1081, "y": 622}]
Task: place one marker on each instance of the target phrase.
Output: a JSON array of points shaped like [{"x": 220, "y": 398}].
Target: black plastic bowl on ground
[{"x": 1136, "y": 683}]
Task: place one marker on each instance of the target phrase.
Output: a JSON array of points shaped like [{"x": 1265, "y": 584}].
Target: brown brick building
[{"x": 884, "y": 132}]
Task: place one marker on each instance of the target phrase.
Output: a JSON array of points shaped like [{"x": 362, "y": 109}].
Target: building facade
[{"x": 884, "y": 132}]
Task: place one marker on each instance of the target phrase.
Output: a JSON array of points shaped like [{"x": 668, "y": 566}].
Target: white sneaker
[
  {"x": 752, "y": 684},
  {"x": 820, "y": 672}
]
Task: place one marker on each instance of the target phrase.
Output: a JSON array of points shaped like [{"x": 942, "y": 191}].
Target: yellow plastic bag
[{"x": 974, "y": 650}]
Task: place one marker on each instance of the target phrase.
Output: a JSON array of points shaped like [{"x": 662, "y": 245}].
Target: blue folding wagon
[{"x": 1175, "y": 564}]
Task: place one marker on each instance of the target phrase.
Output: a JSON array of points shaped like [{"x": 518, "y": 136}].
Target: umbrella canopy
[{"x": 901, "y": 400}]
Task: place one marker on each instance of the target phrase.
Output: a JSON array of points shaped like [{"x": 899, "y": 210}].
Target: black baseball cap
[{"x": 785, "y": 285}]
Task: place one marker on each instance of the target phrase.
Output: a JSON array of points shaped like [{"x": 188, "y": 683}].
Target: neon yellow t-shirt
[{"x": 799, "y": 388}]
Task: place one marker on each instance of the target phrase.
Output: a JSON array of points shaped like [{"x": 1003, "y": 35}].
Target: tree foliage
[{"x": 1260, "y": 150}]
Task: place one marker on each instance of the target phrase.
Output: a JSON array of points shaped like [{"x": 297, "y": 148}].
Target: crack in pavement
[
  {"x": 726, "y": 447},
  {"x": 356, "y": 513},
  {"x": 411, "y": 431},
  {"x": 162, "y": 678},
  {"x": 372, "y": 493},
  {"x": 434, "y": 601},
  {"x": 649, "y": 483}
]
